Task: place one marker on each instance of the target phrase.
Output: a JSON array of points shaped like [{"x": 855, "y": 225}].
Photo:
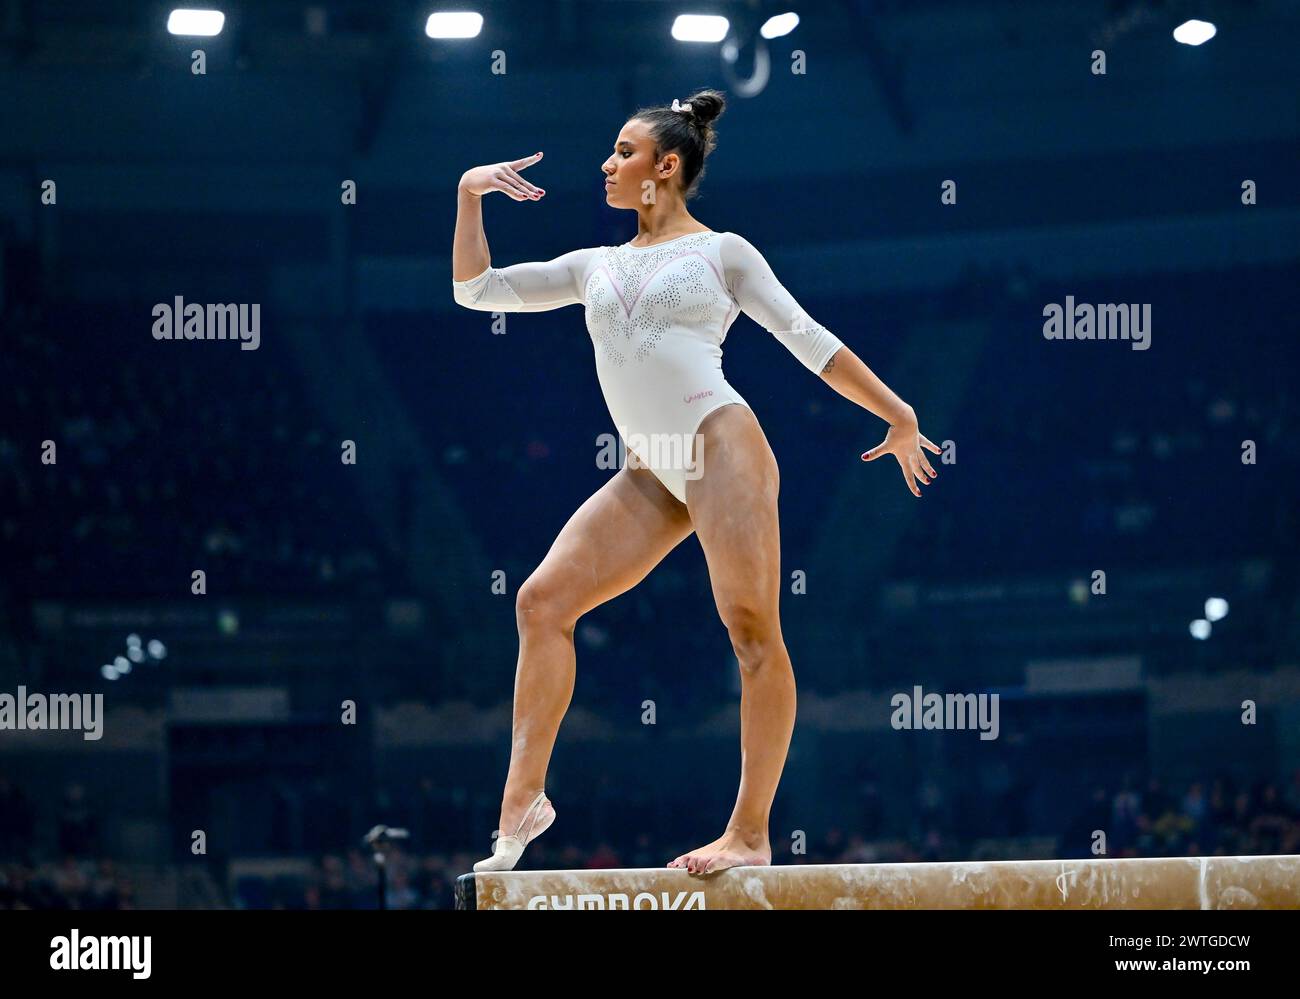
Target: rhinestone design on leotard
[{"x": 632, "y": 318}]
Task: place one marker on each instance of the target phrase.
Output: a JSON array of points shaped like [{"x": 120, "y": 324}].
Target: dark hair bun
[
  {"x": 689, "y": 133},
  {"x": 706, "y": 106}
]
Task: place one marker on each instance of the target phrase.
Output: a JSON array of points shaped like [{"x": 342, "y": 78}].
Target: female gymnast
[{"x": 657, "y": 309}]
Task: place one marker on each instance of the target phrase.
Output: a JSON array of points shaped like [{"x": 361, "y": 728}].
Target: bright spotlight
[
  {"x": 1194, "y": 32},
  {"x": 778, "y": 25},
  {"x": 1216, "y": 609},
  {"x": 133, "y": 641},
  {"x": 700, "y": 28},
  {"x": 135, "y": 654},
  {"x": 195, "y": 22},
  {"x": 1200, "y": 629},
  {"x": 454, "y": 24},
  {"x": 156, "y": 649},
  {"x": 108, "y": 672}
]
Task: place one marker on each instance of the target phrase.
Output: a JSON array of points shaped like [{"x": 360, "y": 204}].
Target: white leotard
[{"x": 657, "y": 316}]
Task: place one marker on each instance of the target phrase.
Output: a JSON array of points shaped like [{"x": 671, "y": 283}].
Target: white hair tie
[{"x": 681, "y": 107}]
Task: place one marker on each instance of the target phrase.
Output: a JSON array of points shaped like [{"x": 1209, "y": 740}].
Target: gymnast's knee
[
  {"x": 755, "y": 635},
  {"x": 541, "y": 605}
]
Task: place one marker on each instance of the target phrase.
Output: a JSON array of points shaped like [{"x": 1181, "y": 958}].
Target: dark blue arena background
[{"x": 1110, "y": 548}]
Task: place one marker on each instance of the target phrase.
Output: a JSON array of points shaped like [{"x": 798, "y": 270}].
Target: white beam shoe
[{"x": 506, "y": 850}]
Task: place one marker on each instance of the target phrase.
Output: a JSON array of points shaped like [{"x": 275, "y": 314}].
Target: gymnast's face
[{"x": 632, "y": 177}]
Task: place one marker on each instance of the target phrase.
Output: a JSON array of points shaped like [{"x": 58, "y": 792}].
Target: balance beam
[{"x": 1131, "y": 883}]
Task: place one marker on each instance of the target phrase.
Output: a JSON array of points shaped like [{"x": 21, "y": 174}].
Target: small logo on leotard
[{"x": 697, "y": 395}]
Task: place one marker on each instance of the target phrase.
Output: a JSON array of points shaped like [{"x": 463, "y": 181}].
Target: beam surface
[{"x": 1138, "y": 883}]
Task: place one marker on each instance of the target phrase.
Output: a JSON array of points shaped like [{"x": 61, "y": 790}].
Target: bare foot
[{"x": 731, "y": 849}]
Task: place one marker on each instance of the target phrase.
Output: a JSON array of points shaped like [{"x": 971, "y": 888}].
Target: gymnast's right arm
[{"x": 529, "y": 287}]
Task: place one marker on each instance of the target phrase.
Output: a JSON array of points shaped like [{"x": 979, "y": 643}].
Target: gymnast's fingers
[
  {"x": 907, "y": 477},
  {"x": 917, "y": 471},
  {"x": 524, "y": 163},
  {"x": 511, "y": 187},
  {"x": 531, "y": 188}
]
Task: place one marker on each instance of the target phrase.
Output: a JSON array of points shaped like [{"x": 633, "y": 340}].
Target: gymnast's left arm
[{"x": 765, "y": 300}]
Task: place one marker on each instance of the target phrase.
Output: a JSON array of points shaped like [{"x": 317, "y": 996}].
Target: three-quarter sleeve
[
  {"x": 764, "y": 299},
  {"x": 529, "y": 287}
]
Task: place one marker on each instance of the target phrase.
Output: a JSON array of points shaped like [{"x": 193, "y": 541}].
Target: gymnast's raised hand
[{"x": 504, "y": 177}]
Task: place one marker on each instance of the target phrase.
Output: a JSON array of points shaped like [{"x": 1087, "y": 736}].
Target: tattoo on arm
[{"x": 829, "y": 364}]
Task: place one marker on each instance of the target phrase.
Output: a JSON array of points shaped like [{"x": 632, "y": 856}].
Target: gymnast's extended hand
[
  {"x": 503, "y": 176},
  {"x": 904, "y": 441},
  {"x": 848, "y": 376}
]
